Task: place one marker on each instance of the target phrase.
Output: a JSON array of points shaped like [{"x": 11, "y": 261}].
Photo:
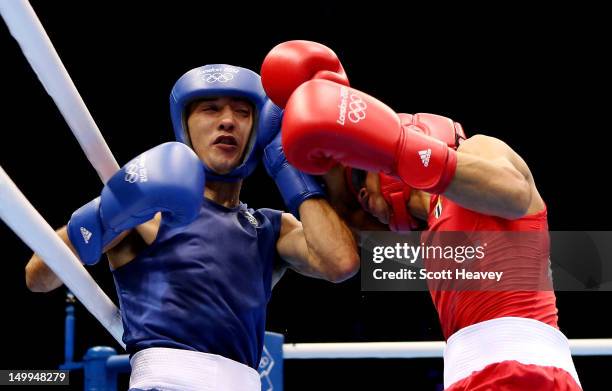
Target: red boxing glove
[
  {"x": 325, "y": 123},
  {"x": 439, "y": 127},
  {"x": 292, "y": 63}
]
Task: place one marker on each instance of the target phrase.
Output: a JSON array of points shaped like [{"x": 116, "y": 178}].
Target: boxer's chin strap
[{"x": 397, "y": 195}]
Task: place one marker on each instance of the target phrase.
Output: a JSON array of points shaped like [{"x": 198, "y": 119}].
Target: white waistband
[
  {"x": 527, "y": 341},
  {"x": 183, "y": 370}
]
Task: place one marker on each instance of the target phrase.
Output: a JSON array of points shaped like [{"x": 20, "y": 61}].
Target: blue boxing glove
[
  {"x": 168, "y": 178},
  {"x": 295, "y": 186}
]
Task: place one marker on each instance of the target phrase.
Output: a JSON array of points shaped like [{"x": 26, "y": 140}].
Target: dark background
[{"x": 536, "y": 78}]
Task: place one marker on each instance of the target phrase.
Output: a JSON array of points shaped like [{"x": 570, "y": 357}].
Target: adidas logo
[
  {"x": 86, "y": 234},
  {"x": 425, "y": 155}
]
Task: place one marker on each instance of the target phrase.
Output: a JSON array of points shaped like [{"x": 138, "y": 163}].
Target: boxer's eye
[{"x": 242, "y": 110}]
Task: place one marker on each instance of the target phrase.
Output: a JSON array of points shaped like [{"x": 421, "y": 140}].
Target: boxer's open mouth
[{"x": 226, "y": 140}]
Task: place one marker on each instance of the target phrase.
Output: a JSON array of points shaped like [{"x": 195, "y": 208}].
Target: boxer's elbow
[
  {"x": 37, "y": 279},
  {"x": 344, "y": 267},
  {"x": 33, "y": 282},
  {"x": 518, "y": 200}
]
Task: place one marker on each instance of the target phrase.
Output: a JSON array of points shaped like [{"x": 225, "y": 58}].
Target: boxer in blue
[{"x": 193, "y": 266}]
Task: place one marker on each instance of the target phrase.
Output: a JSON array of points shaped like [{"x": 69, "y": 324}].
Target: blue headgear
[{"x": 227, "y": 80}]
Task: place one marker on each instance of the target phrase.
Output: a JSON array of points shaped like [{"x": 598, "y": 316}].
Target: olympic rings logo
[
  {"x": 357, "y": 109},
  {"x": 131, "y": 173},
  {"x": 251, "y": 218},
  {"x": 219, "y": 77},
  {"x": 136, "y": 171},
  {"x": 352, "y": 103}
]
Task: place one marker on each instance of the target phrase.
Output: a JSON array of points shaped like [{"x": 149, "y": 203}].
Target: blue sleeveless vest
[{"x": 204, "y": 286}]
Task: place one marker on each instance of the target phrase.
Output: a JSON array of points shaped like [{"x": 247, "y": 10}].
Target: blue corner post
[
  {"x": 97, "y": 377},
  {"x": 271, "y": 364},
  {"x": 69, "y": 362}
]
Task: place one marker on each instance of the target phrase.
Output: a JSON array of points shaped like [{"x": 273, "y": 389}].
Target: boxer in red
[{"x": 423, "y": 166}]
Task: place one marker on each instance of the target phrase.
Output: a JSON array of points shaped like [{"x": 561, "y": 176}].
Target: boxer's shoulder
[{"x": 482, "y": 144}]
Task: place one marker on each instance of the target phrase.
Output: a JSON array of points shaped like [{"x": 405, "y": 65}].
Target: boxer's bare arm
[
  {"x": 321, "y": 246},
  {"x": 40, "y": 278},
  {"x": 493, "y": 179},
  {"x": 125, "y": 250}
]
